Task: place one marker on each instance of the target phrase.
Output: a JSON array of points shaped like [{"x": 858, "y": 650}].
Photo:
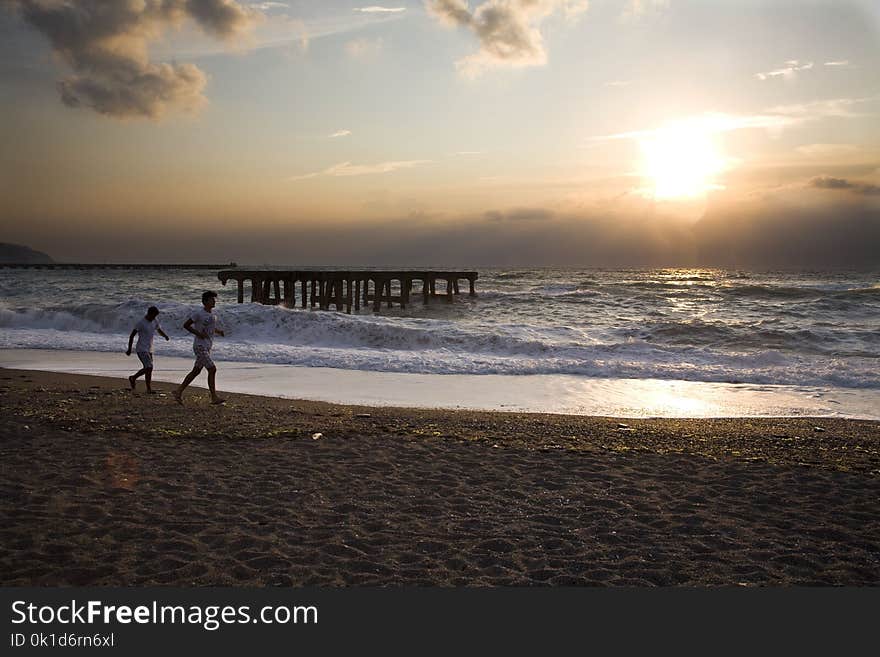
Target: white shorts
[
  {"x": 203, "y": 357},
  {"x": 146, "y": 358}
]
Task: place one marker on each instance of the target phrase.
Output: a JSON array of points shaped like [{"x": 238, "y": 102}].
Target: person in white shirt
[
  {"x": 202, "y": 323},
  {"x": 145, "y": 329}
]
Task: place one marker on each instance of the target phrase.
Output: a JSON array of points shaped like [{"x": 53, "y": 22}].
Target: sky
[{"x": 608, "y": 133}]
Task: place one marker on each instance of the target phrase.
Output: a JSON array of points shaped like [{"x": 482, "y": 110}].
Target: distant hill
[{"x": 22, "y": 254}]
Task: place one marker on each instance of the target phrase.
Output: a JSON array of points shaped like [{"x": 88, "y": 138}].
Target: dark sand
[{"x": 104, "y": 487}]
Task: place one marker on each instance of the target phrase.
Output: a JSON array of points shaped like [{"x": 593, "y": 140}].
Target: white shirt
[
  {"x": 146, "y": 330},
  {"x": 203, "y": 322}
]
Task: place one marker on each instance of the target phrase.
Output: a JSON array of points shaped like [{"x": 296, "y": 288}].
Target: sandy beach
[{"x": 101, "y": 486}]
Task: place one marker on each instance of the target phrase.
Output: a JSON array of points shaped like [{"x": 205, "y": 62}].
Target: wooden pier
[{"x": 346, "y": 290}]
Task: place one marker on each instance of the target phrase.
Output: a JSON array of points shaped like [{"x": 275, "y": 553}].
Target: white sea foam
[
  {"x": 267, "y": 334},
  {"x": 543, "y": 393}
]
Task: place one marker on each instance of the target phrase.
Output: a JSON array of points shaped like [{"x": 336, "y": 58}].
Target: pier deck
[{"x": 346, "y": 290}]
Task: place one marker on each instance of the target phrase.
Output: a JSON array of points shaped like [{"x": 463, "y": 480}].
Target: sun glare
[{"x": 682, "y": 159}]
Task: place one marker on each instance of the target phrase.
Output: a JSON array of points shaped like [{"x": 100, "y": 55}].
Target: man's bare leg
[
  {"x": 133, "y": 378},
  {"x": 212, "y": 377},
  {"x": 178, "y": 394},
  {"x": 148, "y": 378}
]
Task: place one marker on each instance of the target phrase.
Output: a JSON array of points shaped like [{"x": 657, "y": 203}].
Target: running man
[
  {"x": 202, "y": 323},
  {"x": 145, "y": 329}
]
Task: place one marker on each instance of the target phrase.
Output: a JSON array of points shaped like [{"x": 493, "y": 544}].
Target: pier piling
[{"x": 344, "y": 290}]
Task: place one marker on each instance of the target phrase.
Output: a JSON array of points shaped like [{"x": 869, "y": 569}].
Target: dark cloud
[
  {"x": 777, "y": 234},
  {"x": 830, "y": 183},
  {"x": 843, "y": 230},
  {"x": 507, "y": 29},
  {"x": 105, "y": 43},
  {"x": 452, "y": 12},
  {"x": 146, "y": 92},
  {"x": 520, "y": 214},
  {"x": 222, "y": 18},
  {"x": 826, "y": 182}
]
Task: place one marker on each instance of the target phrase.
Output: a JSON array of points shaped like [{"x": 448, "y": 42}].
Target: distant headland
[{"x": 18, "y": 253}]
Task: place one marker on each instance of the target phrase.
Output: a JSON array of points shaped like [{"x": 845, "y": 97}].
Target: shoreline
[
  {"x": 535, "y": 393},
  {"x": 105, "y": 487},
  {"x": 834, "y": 443}
]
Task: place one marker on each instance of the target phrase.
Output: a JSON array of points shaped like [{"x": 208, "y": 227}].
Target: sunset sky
[{"x": 498, "y": 132}]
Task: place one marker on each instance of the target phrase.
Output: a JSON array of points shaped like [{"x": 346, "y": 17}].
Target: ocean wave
[
  {"x": 858, "y": 292},
  {"x": 279, "y": 325},
  {"x": 635, "y": 360},
  {"x": 771, "y": 291},
  {"x": 563, "y": 293},
  {"x": 663, "y": 285},
  {"x": 554, "y": 289},
  {"x": 827, "y": 338},
  {"x": 702, "y": 326},
  {"x": 514, "y": 275}
]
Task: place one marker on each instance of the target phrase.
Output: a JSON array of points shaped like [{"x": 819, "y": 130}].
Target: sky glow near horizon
[{"x": 614, "y": 132}]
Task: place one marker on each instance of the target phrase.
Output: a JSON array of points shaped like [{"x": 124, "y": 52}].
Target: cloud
[
  {"x": 359, "y": 48},
  {"x": 765, "y": 234},
  {"x": 826, "y": 150},
  {"x": 106, "y": 44},
  {"x": 349, "y": 169},
  {"x": 268, "y": 6},
  {"x": 820, "y": 109},
  {"x": 618, "y": 83},
  {"x": 450, "y": 12},
  {"x": 637, "y": 9},
  {"x": 827, "y": 182},
  {"x": 145, "y": 93},
  {"x": 507, "y": 30},
  {"x": 224, "y": 19},
  {"x": 573, "y": 9},
  {"x": 803, "y": 229},
  {"x": 788, "y": 71},
  {"x": 710, "y": 123},
  {"x": 281, "y": 32},
  {"x": 779, "y": 232},
  {"x": 340, "y": 133},
  {"x": 773, "y": 119},
  {"x": 519, "y": 214},
  {"x": 380, "y": 10},
  {"x": 842, "y": 62}
]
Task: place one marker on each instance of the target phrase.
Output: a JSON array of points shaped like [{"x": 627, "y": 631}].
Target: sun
[{"x": 682, "y": 159}]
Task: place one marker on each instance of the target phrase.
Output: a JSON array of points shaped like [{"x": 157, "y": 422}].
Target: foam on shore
[{"x": 565, "y": 394}]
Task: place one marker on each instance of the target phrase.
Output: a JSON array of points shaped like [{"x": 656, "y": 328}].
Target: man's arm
[
  {"x": 134, "y": 332},
  {"x": 162, "y": 333},
  {"x": 187, "y": 325}
]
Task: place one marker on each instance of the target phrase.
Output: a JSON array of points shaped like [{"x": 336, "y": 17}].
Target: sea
[{"x": 807, "y": 329}]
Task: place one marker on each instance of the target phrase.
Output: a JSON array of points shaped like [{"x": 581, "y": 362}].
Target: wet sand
[
  {"x": 101, "y": 486},
  {"x": 535, "y": 393}
]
